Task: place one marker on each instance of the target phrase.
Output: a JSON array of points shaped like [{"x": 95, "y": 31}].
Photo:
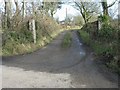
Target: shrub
[
  {"x": 106, "y": 46},
  {"x": 16, "y": 41},
  {"x": 113, "y": 65},
  {"x": 107, "y": 33},
  {"x": 104, "y": 18}
]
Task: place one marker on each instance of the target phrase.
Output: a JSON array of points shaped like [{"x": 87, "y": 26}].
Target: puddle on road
[
  {"x": 82, "y": 53},
  {"x": 80, "y": 43}
]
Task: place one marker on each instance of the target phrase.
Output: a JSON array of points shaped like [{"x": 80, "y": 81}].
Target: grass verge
[
  {"x": 67, "y": 40},
  {"x": 105, "y": 51},
  {"x": 15, "y": 48}
]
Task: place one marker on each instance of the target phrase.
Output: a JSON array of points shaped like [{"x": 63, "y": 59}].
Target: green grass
[
  {"x": 100, "y": 47},
  {"x": 70, "y": 27},
  {"x": 85, "y": 37},
  {"x": 19, "y": 40},
  {"x": 16, "y": 48},
  {"x": 67, "y": 40},
  {"x": 97, "y": 46}
]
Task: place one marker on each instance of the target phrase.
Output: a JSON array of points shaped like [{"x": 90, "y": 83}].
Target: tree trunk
[
  {"x": 0, "y": 21},
  {"x": 84, "y": 17},
  {"x": 24, "y": 9},
  {"x": 7, "y": 14},
  {"x": 105, "y": 8},
  {"x": 33, "y": 9},
  {"x": 17, "y": 7},
  {"x": 52, "y": 14}
]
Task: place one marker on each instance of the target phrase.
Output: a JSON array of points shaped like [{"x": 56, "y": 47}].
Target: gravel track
[{"x": 55, "y": 67}]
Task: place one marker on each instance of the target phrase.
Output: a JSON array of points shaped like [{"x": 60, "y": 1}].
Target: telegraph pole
[{"x": 66, "y": 18}]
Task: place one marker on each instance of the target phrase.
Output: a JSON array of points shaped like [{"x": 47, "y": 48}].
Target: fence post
[
  {"x": 34, "y": 30},
  {"x": 99, "y": 24}
]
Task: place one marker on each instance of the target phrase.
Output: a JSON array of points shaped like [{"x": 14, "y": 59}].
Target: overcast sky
[{"x": 61, "y": 14}]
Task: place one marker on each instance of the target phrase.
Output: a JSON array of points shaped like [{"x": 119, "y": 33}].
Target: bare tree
[
  {"x": 105, "y": 6},
  {"x": 8, "y": 13},
  {"x": 24, "y": 9},
  {"x": 17, "y": 6},
  {"x": 51, "y": 6},
  {"x": 87, "y": 9}
]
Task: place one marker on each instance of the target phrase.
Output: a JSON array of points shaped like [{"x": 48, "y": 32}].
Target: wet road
[{"x": 55, "y": 67}]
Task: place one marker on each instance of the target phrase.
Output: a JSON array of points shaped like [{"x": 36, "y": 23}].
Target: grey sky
[{"x": 62, "y": 12}]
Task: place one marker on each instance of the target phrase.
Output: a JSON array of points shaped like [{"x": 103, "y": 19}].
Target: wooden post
[
  {"x": 34, "y": 30},
  {"x": 99, "y": 25}
]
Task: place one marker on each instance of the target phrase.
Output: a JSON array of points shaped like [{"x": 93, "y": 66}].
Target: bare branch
[{"x": 112, "y": 4}]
